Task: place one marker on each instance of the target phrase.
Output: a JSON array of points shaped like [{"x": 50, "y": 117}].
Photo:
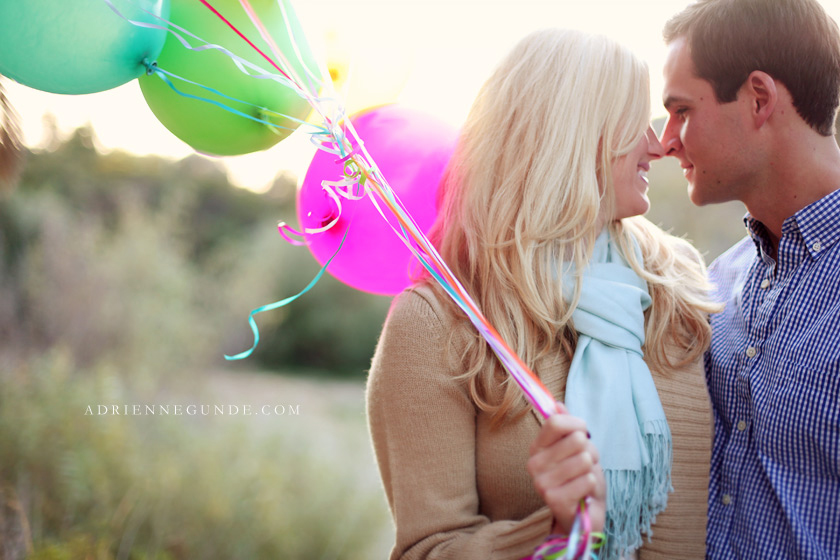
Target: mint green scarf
[{"x": 610, "y": 386}]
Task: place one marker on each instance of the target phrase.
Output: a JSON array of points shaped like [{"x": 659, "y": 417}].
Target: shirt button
[
  {"x": 726, "y": 499},
  {"x": 765, "y": 284},
  {"x": 742, "y": 426},
  {"x": 751, "y": 352},
  {"x": 816, "y": 246}
]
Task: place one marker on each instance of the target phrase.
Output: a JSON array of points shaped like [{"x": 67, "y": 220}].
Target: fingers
[
  {"x": 556, "y": 428},
  {"x": 564, "y": 502},
  {"x": 598, "y": 503},
  {"x": 564, "y": 468},
  {"x": 570, "y": 458}
]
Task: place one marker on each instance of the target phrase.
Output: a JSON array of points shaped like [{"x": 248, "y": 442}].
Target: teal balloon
[
  {"x": 207, "y": 127},
  {"x": 78, "y": 46}
]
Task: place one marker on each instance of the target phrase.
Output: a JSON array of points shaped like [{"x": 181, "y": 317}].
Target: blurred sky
[{"x": 429, "y": 54}]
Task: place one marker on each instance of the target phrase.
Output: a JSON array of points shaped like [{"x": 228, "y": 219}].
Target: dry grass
[{"x": 290, "y": 486}]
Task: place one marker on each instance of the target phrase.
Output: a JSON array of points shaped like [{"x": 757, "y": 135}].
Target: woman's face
[{"x": 629, "y": 173}]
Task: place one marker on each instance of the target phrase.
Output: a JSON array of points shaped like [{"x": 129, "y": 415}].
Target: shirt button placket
[
  {"x": 737, "y": 444},
  {"x": 743, "y": 376}
]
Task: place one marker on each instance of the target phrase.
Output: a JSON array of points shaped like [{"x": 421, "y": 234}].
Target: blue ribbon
[{"x": 282, "y": 302}]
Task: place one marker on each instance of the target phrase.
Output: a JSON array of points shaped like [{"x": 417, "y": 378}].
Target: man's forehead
[
  {"x": 678, "y": 58},
  {"x": 680, "y": 74}
]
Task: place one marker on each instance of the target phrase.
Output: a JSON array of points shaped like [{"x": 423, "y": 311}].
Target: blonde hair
[{"x": 527, "y": 190}]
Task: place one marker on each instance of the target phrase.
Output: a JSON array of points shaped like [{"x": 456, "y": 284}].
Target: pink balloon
[{"x": 411, "y": 149}]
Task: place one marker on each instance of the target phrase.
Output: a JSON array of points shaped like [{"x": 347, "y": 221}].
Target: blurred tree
[
  {"x": 333, "y": 328},
  {"x": 114, "y": 254}
]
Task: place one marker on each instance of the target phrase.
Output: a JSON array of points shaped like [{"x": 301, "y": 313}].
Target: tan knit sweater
[{"x": 459, "y": 490}]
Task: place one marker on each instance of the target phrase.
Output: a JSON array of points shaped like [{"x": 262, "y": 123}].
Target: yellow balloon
[{"x": 364, "y": 73}]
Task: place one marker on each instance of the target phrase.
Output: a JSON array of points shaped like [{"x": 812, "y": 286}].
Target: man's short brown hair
[{"x": 794, "y": 41}]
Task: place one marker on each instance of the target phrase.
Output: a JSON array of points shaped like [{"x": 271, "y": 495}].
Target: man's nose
[{"x": 670, "y": 139}]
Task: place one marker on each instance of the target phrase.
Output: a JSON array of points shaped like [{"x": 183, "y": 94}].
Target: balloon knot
[{"x": 151, "y": 67}]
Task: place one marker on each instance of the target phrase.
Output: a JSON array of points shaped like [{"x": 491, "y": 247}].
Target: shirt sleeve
[
  {"x": 423, "y": 425},
  {"x": 727, "y": 272}
]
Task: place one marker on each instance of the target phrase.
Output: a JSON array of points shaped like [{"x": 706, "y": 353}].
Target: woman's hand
[{"x": 565, "y": 470}]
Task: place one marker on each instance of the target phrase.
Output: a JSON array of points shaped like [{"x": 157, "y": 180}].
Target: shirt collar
[
  {"x": 818, "y": 224},
  {"x": 759, "y": 234}
]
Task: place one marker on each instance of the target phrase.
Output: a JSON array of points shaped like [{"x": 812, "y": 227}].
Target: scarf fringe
[{"x": 634, "y": 498}]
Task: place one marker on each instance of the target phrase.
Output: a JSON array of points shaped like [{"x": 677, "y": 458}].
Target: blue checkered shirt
[{"x": 773, "y": 372}]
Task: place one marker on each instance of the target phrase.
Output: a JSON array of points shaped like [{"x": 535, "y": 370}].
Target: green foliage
[
  {"x": 173, "y": 487},
  {"x": 94, "y": 184},
  {"x": 123, "y": 280},
  {"x": 333, "y": 328},
  {"x": 76, "y": 548},
  {"x": 164, "y": 261}
]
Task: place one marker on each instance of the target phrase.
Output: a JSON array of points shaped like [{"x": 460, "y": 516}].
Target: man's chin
[{"x": 696, "y": 197}]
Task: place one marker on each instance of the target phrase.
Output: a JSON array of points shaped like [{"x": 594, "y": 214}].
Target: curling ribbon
[{"x": 277, "y": 304}]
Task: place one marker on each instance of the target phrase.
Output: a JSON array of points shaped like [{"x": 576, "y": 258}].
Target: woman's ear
[{"x": 760, "y": 87}]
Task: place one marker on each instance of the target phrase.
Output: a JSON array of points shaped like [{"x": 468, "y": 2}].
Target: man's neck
[{"x": 801, "y": 176}]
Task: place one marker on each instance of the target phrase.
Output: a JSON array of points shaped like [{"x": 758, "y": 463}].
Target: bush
[
  {"x": 154, "y": 266},
  {"x": 123, "y": 279},
  {"x": 157, "y": 487}
]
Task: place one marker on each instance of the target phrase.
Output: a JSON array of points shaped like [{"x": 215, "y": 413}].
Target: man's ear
[{"x": 761, "y": 90}]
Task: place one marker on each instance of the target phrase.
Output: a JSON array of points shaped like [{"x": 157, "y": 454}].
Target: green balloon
[
  {"x": 206, "y": 127},
  {"x": 78, "y": 46}
]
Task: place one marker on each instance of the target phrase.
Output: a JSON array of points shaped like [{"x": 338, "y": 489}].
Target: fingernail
[{"x": 588, "y": 435}]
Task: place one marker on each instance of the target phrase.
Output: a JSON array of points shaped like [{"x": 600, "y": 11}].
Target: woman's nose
[{"x": 655, "y": 149}]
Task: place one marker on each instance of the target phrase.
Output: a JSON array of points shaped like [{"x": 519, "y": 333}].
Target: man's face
[{"x": 707, "y": 137}]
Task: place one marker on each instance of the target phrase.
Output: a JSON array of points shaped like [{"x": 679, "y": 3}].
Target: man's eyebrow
[{"x": 672, "y": 100}]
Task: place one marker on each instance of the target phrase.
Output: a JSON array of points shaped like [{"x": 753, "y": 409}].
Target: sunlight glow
[{"x": 429, "y": 54}]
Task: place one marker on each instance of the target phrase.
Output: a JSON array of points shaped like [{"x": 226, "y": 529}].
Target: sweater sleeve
[{"x": 423, "y": 426}]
